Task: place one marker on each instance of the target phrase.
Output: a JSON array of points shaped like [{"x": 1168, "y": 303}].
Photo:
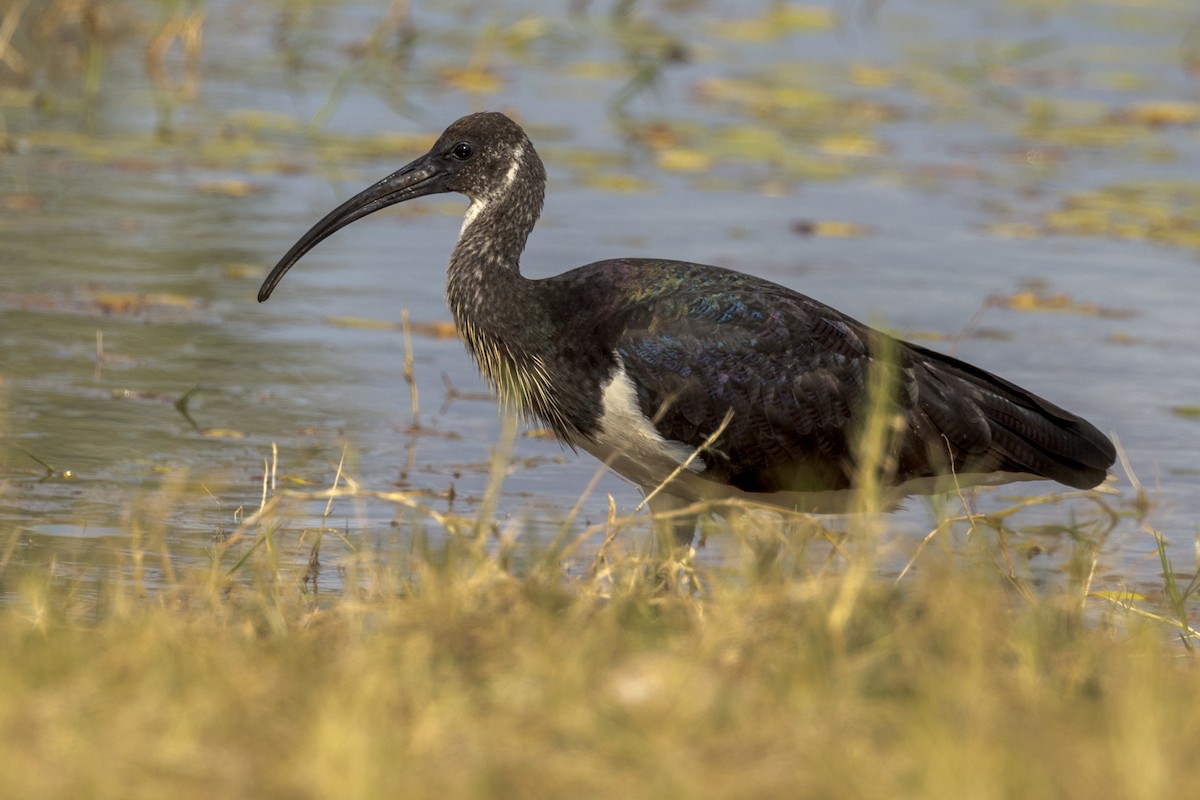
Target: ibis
[{"x": 702, "y": 384}]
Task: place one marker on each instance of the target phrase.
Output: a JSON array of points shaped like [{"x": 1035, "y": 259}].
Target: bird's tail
[{"x": 992, "y": 424}]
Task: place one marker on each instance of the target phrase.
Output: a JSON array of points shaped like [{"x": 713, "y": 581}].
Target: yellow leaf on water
[
  {"x": 617, "y": 183},
  {"x": 257, "y": 119},
  {"x": 1161, "y": 112},
  {"x": 759, "y": 97},
  {"x": 872, "y": 77},
  {"x": 135, "y": 302},
  {"x": 472, "y": 81},
  {"x": 231, "y": 187},
  {"x": 1078, "y": 221},
  {"x": 850, "y": 144},
  {"x": 750, "y": 143},
  {"x": 1180, "y": 237},
  {"x": 363, "y": 323},
  {"x": 222, "y": 433},
  {"x": 747, "y": 30},
  {"x": 239, "y": 271},
  {"x": 169, "y": 299},
  {"x": 800, "y": 17},
  {"x": 1031, "y": 301},
  {"x": 1086, "y": 135},
  {"x": 1013, "y": 230},
  {"x": 1121, "y": 81},
  {"x": 832, "y": 228},
  {"x": 597, "y": 70},
  {"x": 778, "y": 21},
  {"x": 439, "y": 329},
  {"x": 658, "y": 135},
  {"x": 678, "y": 159}
]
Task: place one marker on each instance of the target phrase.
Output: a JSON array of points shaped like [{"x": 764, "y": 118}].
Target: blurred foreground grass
[{"x": 472, "y": 667}]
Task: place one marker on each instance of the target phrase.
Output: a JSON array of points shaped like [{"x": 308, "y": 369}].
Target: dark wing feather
[
  {"x": 1025, "y": 430},
  {"x": 794, "y": 377},
  {"x": 697, "y": 341}
]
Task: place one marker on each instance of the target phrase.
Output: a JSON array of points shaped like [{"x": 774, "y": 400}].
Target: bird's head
[{"x": 480, "y": 156}]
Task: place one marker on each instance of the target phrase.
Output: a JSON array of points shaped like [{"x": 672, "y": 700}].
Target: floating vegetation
[
  {"x": 832, "y": 228},
  {"x": 1160, "y": 113},
  {"x": 1165, "y": 212},
  {"x": 681, "y": 159},
  {"x": 778, "y": 20},
  {"x": 443, "y": 329},
  {"x": 791, "y": 102},
  {"x": 97, "y": 301},
  {"x": 1036, "y": 295}
]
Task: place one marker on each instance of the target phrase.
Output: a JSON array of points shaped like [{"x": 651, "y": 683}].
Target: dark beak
[{"x": 418, "y": 179}]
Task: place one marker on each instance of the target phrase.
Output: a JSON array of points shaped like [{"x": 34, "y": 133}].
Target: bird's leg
[
  {"x": 673, "y": 535},
  {"x": 672, "y": 531}
]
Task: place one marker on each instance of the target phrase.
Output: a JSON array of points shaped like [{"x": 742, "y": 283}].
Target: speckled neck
[
  {"x": 490, "y": 300},
  {"x": 485, "y": 264}
]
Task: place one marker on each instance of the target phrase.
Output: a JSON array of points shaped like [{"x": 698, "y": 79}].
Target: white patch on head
[
  {"x": 480, "y": 204},
  {"x": 511, "y": 175},
  {"x": 628, "y": 442}
]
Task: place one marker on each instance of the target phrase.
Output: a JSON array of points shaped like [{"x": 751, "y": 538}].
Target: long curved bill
[{"x": 421, "y": 177}]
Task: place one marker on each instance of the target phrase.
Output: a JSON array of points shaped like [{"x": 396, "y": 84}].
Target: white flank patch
[{"x": 628, "y": 442}]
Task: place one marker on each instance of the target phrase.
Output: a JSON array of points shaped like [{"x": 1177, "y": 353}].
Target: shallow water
[{"x": 150, "y": 251}]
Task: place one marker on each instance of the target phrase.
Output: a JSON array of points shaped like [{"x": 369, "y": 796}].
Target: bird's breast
[{"x": 523, "y": 380}]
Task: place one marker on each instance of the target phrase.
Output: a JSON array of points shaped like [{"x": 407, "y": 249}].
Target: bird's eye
[{"x": 462, "y": 151}]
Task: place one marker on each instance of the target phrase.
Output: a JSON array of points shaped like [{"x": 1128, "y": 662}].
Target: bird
[{"x": 702, "y": 384}]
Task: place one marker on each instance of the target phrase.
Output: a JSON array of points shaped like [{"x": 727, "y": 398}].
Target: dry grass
[{"x": 471, "y": 668}]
